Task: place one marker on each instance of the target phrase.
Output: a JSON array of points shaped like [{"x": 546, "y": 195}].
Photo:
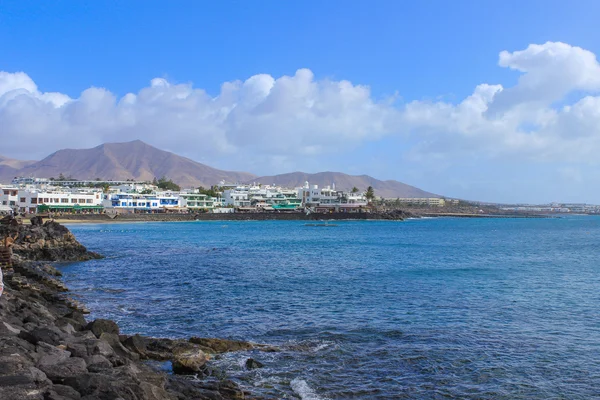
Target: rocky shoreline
[{"x": 49, "y": 351}]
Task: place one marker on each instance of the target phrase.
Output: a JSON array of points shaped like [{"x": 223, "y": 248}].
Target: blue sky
[{"x": 423, "y": 56}]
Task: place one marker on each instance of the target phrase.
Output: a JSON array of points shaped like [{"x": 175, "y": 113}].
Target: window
[
  {"x": 22, "y": 200},
  {"x": 6, "y": 192},
  {"x": 64, "y": 200},
  {"x": 89, "y": 201},
  {"x": 34, "y": 200}
]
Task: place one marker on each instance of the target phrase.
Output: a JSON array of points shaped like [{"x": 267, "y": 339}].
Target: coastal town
[{"x": 29, "y": 195}]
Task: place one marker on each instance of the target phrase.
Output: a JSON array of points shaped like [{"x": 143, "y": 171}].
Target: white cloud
[{"x": 290, "y": 119}]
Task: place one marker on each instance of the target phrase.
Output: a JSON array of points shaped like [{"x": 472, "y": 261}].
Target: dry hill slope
[
  {"x": 132, "y": 160},
  {"x": 387, "y": 189},
  {"x": 9, "y": 168}
]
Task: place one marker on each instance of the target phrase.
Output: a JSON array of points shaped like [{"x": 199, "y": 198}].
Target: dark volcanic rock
[
  {"x": 100, "y": 326},
  {"x": 136, "y": 344},
  {"x": 215, "y": 346},
  {"x": 46, "y": 242},
  {"x": 98, "y": 363},
  {"x": 251, "y": 363},
  {"x": 66, "y": 392},
  {"x": 73, "y": 366},
  {"x": 50, "y": 335}
]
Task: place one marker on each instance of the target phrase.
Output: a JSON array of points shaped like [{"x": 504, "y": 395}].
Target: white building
[
  {"x": 312, "y": 196},
  {"x": 131, "y": 202},
  {"x": 199, "y": 201},
  {"x": 30, "y": 199},
  {"x": 237, "y": 197}
]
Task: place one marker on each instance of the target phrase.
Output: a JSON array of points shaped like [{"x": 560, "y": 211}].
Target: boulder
[
  {"x": 230, "y": 390},
  {"x": 78, "y": 349},
  {"x": 22, "y": 381},
  {"x": 136, "y": 344},
  {"x": 50, "y": 335},
  {"x": 8, "y": 330},
  {"x": 98, "y": 363},
  {"x": 100, "y": 326},
  {"x": 215, "y": 346},
  {"x": 119, "y": 349},
  {"x": 151, "y": 392},
  {"x": 51, "y": 355},
  {"x": 188, "y": 362},
  {"x": 66, "y": 392},
  {"x": 251, "y": 363},
  {"x": 70, "y": 367},
  {"x": 76, "y": 316},
  {"x": 103, "y": 386}
]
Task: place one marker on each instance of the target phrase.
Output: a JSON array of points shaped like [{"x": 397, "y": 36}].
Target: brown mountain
[
  {"x": 16, "y": 164},
  {"x": 132, "y": 160},
  {"x": 386, "y": 189},
  {"x": 140, "y": 161},
  {"x": 9, "y": 168}
]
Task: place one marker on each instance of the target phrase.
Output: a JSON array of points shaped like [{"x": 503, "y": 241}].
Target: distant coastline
[{"x": 396, "y": 215}]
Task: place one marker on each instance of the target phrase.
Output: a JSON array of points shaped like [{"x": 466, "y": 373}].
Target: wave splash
[{"x": 301, "y": 388}]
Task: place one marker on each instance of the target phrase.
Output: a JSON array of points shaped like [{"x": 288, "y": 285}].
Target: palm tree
[{"x": 370, "y": 195}]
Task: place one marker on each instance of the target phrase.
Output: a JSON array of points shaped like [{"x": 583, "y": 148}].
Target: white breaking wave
[{"x": 301, "y": 388}]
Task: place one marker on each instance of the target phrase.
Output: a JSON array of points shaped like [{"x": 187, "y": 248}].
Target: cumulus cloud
[{"x": 288, "y": 119}]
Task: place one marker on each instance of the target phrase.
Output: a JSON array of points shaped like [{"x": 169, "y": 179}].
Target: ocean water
[{"x": 421, "y": 309}]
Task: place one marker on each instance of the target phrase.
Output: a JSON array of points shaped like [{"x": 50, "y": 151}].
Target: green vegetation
[
  {"x": 370, "y": 195},
  {"x": 212, "y": 192},
  {"x": 354, "y": 189},
  {"x": 165, "y": 184}
]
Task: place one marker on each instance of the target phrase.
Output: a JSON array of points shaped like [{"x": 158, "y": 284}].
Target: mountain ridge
[
  {"x": 130, "y": 160},
  {"x": 140, "y": 161},
  {"x": 342, "y": 181}
]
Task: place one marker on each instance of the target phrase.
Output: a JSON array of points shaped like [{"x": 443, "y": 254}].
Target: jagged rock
[
  {"x": 100, "y": 326},
  {"x": 50, "y": 335},
  {"x": 119, "y": 349},
  {"x": 97, "y": 384},
  {"x": 8, "y": 330},
  {"x": 20, "y": 380},
  {"x": 66, "y": 392},
  {"x": 213, "y": 345},
  {"x": 67, "y": 328},
  {"x": 50, "y": 270},
  {"x": 151, "y": 392},
  {"x": 251, "y": 363},
  {"x": 36, "y": 221},
  {"x": 98, "y": 363},
  {"x": 70, "y": 367},
  {"x": 77, "y": 317},
  {"x": 78, "y": 349},
  {"x": 231, "y": 390},
  {"x": 49, "y": 242},
  {"x": 51, "y": 355},
  {"x": 188, "y": 362},
  {"x": 31, "y": 318},
  {"x": 136, "y": 344}
]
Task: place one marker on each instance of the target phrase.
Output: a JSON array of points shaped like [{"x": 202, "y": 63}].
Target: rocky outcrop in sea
[{"x": 49, "y": 351}]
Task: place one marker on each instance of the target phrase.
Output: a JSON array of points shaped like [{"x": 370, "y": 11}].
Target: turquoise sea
[{"x": 421, "y": 309}]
